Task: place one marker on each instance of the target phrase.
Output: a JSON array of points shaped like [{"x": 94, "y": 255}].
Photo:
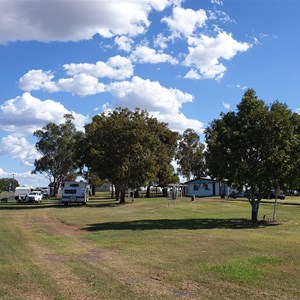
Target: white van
[{"x": 75, "y": 192}]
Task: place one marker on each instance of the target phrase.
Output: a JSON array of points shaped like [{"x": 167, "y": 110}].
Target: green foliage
[
  {"x": 56, "y": 144},
  {"x": 8, "y": 184},
  {"x": 190, "y": 155},
  {"x": 127, "y": 148},
  {"x": 253, "y": 147}
]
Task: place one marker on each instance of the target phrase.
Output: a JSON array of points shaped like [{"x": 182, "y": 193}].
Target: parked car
[
  {"x": 280, "y": 196},
  {"x": 34, "y": 196},
  {"x": 236, "y": 195}
]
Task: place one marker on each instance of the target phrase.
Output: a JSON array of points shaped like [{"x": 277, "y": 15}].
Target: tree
[
  {"x": 56, "y": 144},
  {"x": 190, "y": 155},
  {"x": 166, "y": 150},
  {"x": 126, "y": 147},
  {"x": 8, "y": 184},
  {"x": 253, "y": 147}
]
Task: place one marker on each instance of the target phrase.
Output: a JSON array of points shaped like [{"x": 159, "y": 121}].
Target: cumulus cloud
[
  {"x": 36, "y": 80},
  {"x": 144, "y": 54},
  {"x": 162, "y": 102},
  {"x": 20, "y": 149},
  {"x": 124, "y": 43},
  {"x": 117, "y": 67},
  {"x": 81, "y": 84},
  {"x": 185, "y": 21},
  {"x": 84, "y": 80},
  {"x": 25, "y": 114},
  {"x": 74, "y": 20},
  {"x": 206, "y": 53}
]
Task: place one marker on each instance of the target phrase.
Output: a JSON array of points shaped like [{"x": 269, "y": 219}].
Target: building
[{"x": 204, "y": 187}]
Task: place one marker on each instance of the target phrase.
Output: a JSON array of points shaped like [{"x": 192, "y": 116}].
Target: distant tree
[
  {"x": 8, "y": 184},
  {"x": 126, "y": 147},
  {"x": 56, "y": 144},
  {"x": 253, "y": 147},
  {"x": 190, "y": 155},
  {"x": 166, "y": 150}
]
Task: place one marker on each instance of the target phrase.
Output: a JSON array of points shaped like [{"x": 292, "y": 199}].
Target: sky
[{"x": 184, "y": 61}]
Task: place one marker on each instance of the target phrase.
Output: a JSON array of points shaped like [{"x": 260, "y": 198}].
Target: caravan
[
  {"x": 21, "y": 193},
  {"x": 75, "y": 192}
]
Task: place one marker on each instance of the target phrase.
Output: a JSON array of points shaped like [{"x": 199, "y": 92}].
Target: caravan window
[{"x": 74, "y": 185}]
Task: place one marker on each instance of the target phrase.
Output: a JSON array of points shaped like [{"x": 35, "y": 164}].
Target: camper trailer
[
  {"x": 75, "y": 192},
  {"x": 21, "y": 193}
]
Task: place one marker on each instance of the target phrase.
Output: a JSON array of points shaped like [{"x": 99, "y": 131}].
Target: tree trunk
[
  {"x": 122, "y": 197},
  {"x": 117, "y": 193},
  {"x": 55, "y": 188},
  {"x": 112, "y": 191},
  {"x": 254, "y": 212},
  {"x": 148, "y": 191}
]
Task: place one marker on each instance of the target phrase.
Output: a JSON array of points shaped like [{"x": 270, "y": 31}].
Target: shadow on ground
[{"x": 171, "y": 224}]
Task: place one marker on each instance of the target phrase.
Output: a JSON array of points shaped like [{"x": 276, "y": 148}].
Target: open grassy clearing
[{"x": 150, "y": 249}]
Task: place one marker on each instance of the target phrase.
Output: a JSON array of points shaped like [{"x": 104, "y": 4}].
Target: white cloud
[
  {"x": 80, "y": 84},
  {"x": 185, "y": 21},
  {"x": 124, "y": 43},
  {"x": 25, "y": 114},
  {"x": 67, "y": 20},
  {"x": 160, "y": 101},
  {"x": 84, "y": 80},
  {"x": 26, "y": 178},
  {"x": 144, "y": 54},
  {"x": 161, "y": 41},
  {"x": 217, "y": 2},
  {"x": 238, "y": 86},
  {"x": 117, "y": 67},
  {"x": 36, "y": 80},
  {"x": 20, "y": 149},
  {"x": 193, "y": 74},
  {"x": 226, "y": 105},
  {"x": 206, "y": 52}
]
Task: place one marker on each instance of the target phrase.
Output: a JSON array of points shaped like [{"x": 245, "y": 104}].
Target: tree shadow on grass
[
  {"x": 173, "y": 224},
  {"x": 13, "y": 205}
]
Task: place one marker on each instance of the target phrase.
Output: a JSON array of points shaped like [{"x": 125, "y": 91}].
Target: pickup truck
[{"x": 34, "y": 196}]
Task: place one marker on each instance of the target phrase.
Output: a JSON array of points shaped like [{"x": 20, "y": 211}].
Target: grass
[{"x": 149, "y": 249}]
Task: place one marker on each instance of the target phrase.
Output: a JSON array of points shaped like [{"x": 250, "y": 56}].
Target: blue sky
[{"x": 183, "y": 61}]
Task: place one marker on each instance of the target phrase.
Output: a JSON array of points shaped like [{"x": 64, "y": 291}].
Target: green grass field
[{"x": 149, "y": 249}]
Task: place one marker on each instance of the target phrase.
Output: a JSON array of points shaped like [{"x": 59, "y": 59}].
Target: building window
[
  {"x": 196, "y": 187},
  {"x": 206, "y": 186}
]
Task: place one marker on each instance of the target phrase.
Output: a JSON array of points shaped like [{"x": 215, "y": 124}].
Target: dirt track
[{"x": 68, "y": 283}]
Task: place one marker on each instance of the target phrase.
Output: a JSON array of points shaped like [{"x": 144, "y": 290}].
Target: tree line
[{"x": 255, "y": 147}]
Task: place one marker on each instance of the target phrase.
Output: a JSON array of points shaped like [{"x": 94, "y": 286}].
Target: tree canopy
[
  {"x": 56, "y": 144},
  {"x": 128, "y": 148},
  {"x": 190, "y": 155},
  {"x": 253, "y": 147}
]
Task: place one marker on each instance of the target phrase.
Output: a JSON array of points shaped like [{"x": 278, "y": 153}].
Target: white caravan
[
  {"x": 75, "y": 192},
  {"x": 21, "y": 192}
]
